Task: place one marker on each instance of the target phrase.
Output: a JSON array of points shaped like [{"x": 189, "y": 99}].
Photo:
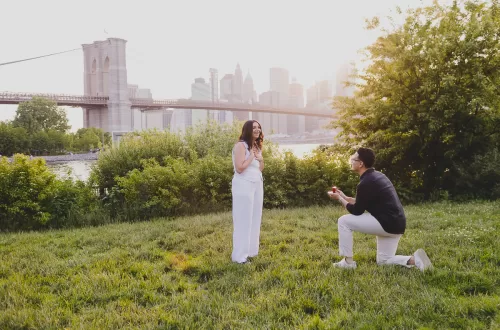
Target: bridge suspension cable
[
  {"x": 34, "y": 58},
  {"x": 37, "y": 57}
]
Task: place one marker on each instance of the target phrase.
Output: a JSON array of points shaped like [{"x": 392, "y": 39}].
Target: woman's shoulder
[{"x": 240, "y": 144}]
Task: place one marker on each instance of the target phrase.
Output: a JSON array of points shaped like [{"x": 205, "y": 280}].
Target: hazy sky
[{"x": 172, "y": 42}]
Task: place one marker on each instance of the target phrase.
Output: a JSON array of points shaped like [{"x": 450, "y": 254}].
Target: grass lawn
[{"x": 176, "y": 274}]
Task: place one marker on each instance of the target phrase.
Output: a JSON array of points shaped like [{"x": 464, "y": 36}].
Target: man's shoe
[
  {"x": 422, "y": 261},
  {"x": 345, "y": 264}
]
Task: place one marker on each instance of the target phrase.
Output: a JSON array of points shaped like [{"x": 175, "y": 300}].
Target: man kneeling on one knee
[{"x": 386, "y": 218}]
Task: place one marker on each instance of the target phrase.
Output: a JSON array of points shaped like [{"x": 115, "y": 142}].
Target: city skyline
[{"x": 166, "y": 51}]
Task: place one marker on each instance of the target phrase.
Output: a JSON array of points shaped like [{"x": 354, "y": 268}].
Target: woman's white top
[{"x": 252, "y": 173}]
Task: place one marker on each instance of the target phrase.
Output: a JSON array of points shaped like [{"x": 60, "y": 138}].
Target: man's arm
[
  {"x": 341, "y": 197},
  {"x": 343, "y": 201},
  {"x": 361, "y": 201},
  {"x": 347, "y": 198}
]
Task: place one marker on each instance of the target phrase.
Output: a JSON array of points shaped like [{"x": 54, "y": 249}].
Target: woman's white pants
[
  {"x": 248, "y": 200},
  {"x": 387, "y": 243}
]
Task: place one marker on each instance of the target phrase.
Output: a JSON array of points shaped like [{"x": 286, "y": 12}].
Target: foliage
[
  {"x": 291, "y": 182},
  {"x": 197, "y": 142},
  {"x": 90, "y": 138},
  {"x": 481, "y": 177},
  {"x": 50, "y": 141},
  {"x": 17, "y": 140},
  {"x": 33, "y": 198},
  {"x": 156, "y": 173},
  {"x": 130, "y": 152},
  {"x": 176, "y": 188},
  {"x": 13, "y": 139},
  {"x": 151, "y": 174},
  {"x": 40, "y": 114},
  {"x": 40, "y": 127},
  {"x": 429, "y": 102}
]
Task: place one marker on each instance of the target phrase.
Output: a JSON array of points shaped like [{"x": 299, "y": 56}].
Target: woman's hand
[{"x": 258, "y": 156}]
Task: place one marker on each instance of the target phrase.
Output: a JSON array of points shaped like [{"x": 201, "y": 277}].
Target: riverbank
[{"x": 68, "y": 158}]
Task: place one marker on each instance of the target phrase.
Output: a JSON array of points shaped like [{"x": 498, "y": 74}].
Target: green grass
[{"x": 177, "y": 274}]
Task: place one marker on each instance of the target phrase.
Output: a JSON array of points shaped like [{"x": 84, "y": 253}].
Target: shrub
[
  {"x": 198, "y": 142},
  {"x": 175, "y": 186},
  {"x": 33, "y": 198}
]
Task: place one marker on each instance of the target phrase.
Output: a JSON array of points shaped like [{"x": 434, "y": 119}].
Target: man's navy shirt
[{"x": 376, "y": 194}]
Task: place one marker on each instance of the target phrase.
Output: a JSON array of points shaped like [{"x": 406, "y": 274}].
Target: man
[{"x": 386, "y": 218}]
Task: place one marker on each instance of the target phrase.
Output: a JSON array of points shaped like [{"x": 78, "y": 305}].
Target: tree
[
  {"x": 429, "y": 100},
  {"x": 92, "y": 137},
  {"x": 40, "y": 114},
  {"x": 12, "y": 139},
  {"x": 41, "y": 143}
]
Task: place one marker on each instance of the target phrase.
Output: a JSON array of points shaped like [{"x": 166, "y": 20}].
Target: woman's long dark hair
[{"x": 247, "y": 134}]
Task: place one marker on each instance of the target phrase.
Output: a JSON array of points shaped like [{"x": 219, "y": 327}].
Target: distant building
[
  {"x": 200, "y": 91},
  {"x": 237, "y": 96},
  {"x": 269, "y": 121},
  {"x": 280, "y": 83},
  {"x": 344, "y": 74},
  {"x": 296, "y": 123},
  {"x": 214, "y": 94},
  {"x": 226, "y": 94}
]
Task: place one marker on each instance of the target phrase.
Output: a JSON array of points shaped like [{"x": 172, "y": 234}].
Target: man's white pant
[
  {"x": 248, "y": 199},
  {"x": 387, "y": 244}
]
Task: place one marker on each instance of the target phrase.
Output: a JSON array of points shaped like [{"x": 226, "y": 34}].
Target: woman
[{"x": 248, "y": 192}]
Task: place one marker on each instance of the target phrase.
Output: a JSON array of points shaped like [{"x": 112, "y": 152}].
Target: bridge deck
[{"x": 145, "y": 104}]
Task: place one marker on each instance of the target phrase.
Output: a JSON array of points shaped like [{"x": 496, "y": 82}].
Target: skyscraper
[
  {"x": 269, "y": 121},
  {"x": 214, "y": 85},
  {"x": 319, "y": 93},
  {"x": 226, "y": 87},
  {"x": 200, "y": 91},
  {"x": 226, "y": 94},
  {"x": 214, "y": 94},
  {"x": 238, "y": 84},
  {"x": 248, "y": 90},
  {"x": 296, "y": 123},
  {"x": 319, "y": 96},
  {"x": 279, "y": 82},
  {"x": 238, "y": 94},
  {"x": 296, "y": 95},
  {"x": 344, "y": 74},
  {"x": 247, "y": 96}
]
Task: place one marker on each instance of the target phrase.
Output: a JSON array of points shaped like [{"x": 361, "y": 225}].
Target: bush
[
  {"x": 13, "y": 139},
  {"x": 177, "y": 187},
  {"x": 291, "y": 181},
  {"x": 198, "y": 142},
  {"x": 479, "y": 179},
  {"x": 33, "y": 198},
  {"x": 194, "y": 178}
]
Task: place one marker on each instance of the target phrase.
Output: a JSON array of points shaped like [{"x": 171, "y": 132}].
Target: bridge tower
[{"x": 105, "y": 74}]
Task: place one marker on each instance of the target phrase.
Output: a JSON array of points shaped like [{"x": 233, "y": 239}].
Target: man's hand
[
  {"x": 333, "y": 195},
  {"x": 337, "y": 196},
  {"x": 341, "y": 193},
  {"x": 347, "y": 198}
]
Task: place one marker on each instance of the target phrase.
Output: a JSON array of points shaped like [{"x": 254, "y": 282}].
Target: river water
[{"x": 80, "y": 170}]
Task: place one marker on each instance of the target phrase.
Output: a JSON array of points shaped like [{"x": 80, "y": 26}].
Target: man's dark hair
[{"x": 367, "y": 156}]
